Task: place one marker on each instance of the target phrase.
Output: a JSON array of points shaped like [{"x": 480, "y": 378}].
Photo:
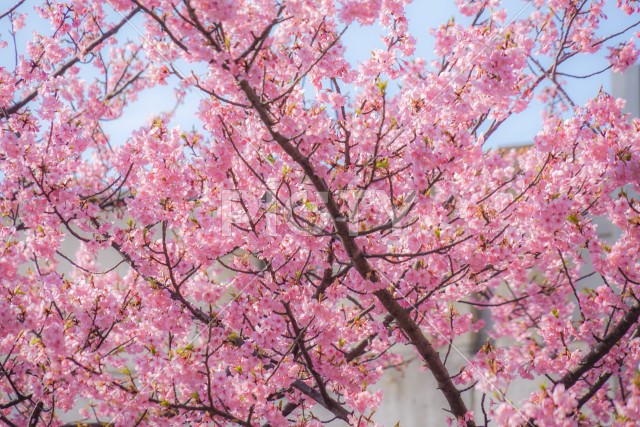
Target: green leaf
[
  {"x": 383, "y": 163},
  {"x": 154, "y": 283},
  {"x": 234, "y": 338},
  {"x": 573, "y": 218}
]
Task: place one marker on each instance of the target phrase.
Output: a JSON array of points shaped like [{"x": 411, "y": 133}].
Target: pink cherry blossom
[{"x": 256, "y": 254}]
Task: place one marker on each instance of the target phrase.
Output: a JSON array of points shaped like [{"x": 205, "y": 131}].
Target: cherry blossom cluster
[{"x": 262, "y": 267}]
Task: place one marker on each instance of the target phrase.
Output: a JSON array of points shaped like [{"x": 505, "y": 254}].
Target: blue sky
[
  {"x": 360, "y": 41},
  {"x": 519, "y": 129}
]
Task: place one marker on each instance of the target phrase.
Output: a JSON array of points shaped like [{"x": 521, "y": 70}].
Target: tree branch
[
  {"x": 408, "y": 325},
  {"x": 601, "y": 349}
]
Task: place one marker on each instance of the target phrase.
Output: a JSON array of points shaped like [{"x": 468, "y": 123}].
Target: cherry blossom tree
[{"x": 320, "y": 214}]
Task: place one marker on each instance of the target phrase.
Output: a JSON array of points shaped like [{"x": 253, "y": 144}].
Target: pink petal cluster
[{"x": 259, "y": 262}]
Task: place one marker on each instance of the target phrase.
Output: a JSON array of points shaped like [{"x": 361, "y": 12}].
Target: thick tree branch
[
  {"x": 314, "y": 394},
  {"x": 426, "y": 351},
  {"x": 362, "y": 265},
  {"x": 601, "y": 349}
]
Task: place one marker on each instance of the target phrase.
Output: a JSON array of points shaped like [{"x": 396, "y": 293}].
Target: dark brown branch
[
  {"x": 309, "y": 391},
  {"x": 602, "y": 379},
  {"x": 63, "y": 69},
  {"x": 321, "y": 396},
  {"x": 35, "y": 415},
  {"x": 601, "y": 349},
  {"x": 409, "y": 326},
  {"x": 12, "y": 8},
  {"x": 428, "y": 353}
]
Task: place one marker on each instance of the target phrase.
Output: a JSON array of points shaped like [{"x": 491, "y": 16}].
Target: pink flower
[{"x": 623, "y": 56}]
